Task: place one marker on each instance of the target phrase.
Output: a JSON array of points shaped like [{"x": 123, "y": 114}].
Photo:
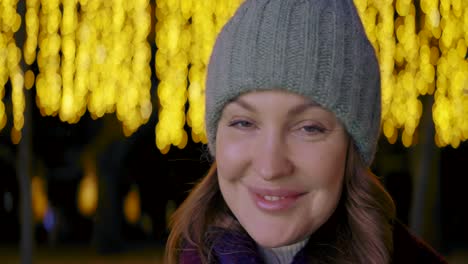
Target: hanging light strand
[
  {"x": 68, "y": 112},
  {"x": 94, "y": 55},
  {"x": 207, "y": 20},
  {"x": 10, "y": 57},
  {"x": 419, "y": 61},
  {"x": 49, "y": 79},
  {"x": 450, "y": 108},
  {"x": 139, "y": 106},
  {"x": 32, "y": 30},
  {"x": 173, "y": 41}
]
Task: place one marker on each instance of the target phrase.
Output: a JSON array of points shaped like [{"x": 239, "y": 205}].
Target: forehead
[{"x": 277, "y": 99}]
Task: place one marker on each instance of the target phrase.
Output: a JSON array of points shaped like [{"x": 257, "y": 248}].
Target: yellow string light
[
  {"x": 106, "y": 36},
  {"x": 450, "y": 109},
  {"x": 94, "y": 55},
  {"x": 204, "y": 29},
  {"x": 10, "y": 57},
  {"x": 173, "y": 42},
  {"x": 138, "y": 103},
  {"x": 49, "y": 80},
  {"x": 101, "y": 84},
  {"x": 419, "y": 65},
  {"x": 32, "y": 31},
  {"x": 132, "y": 205},
  {"x": 182, "y": 45},
  {"x": 67, "y": 108},
  {"x": 3, "y": 76},
  {"x": 40, "y": 203},
  {"x": 88, "y": 191},
  {"x": 29, "y": 79}
]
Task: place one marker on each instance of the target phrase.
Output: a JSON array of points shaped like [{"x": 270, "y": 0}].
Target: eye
[
  {"x": 242, "y": 124},
  {"x": 313, "y": 129},
  {"x": 310, "y": 130}
]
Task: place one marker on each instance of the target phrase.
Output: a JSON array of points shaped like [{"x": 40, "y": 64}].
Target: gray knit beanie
[{"x": 315, "y": 48}]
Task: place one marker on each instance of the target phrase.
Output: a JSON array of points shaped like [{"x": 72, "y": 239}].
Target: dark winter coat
[{"x": 237, "y": 247}]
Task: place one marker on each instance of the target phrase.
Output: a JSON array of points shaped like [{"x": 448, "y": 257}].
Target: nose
[{"x": 270, "y": 157}]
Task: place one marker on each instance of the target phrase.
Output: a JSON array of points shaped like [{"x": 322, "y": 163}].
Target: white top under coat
[{"x": 281, "y": 255}]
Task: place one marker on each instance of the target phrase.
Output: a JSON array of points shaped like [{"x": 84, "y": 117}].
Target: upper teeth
[{"x": 272, "y": 198}]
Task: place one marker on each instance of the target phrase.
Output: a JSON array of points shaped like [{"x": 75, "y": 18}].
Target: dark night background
[
  {"x": 57, "y": 146},
  {"x": 429, "y": 184}
]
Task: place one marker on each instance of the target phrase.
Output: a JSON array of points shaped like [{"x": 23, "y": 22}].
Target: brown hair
[{"x": 359, "y": 231}]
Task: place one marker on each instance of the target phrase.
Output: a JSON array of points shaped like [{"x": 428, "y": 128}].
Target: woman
[{"x": 293, "y": 118}]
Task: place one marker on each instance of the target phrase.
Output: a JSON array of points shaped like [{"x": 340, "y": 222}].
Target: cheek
[
  {"x": 334, "y": 162},
  {"x": 326, "y": 164},
  {"x": 231, "y": 157}
]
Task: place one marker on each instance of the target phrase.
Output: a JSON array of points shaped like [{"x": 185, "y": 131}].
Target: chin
[{"x": 273, "y": 241}]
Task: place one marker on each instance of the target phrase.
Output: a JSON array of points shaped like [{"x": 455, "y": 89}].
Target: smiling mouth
[
  {"x": 273, "y": 198},
  {"x": 275, "y": 201}
]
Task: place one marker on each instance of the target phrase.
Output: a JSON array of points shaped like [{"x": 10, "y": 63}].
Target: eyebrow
[
  {"x": 291, "y": 112},
  {"x": 302, "y": 107},
  {"x": 244, "y": 104}
]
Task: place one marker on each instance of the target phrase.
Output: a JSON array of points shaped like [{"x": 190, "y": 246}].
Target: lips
[{"x": 275, "y": 200}]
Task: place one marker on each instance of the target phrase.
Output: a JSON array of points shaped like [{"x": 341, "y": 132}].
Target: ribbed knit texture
[
  {"x": 316, "y": 48},
  {"x": 281, "y": 255}
]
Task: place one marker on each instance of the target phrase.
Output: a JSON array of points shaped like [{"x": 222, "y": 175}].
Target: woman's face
[{"x": 281, "y": 162}]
